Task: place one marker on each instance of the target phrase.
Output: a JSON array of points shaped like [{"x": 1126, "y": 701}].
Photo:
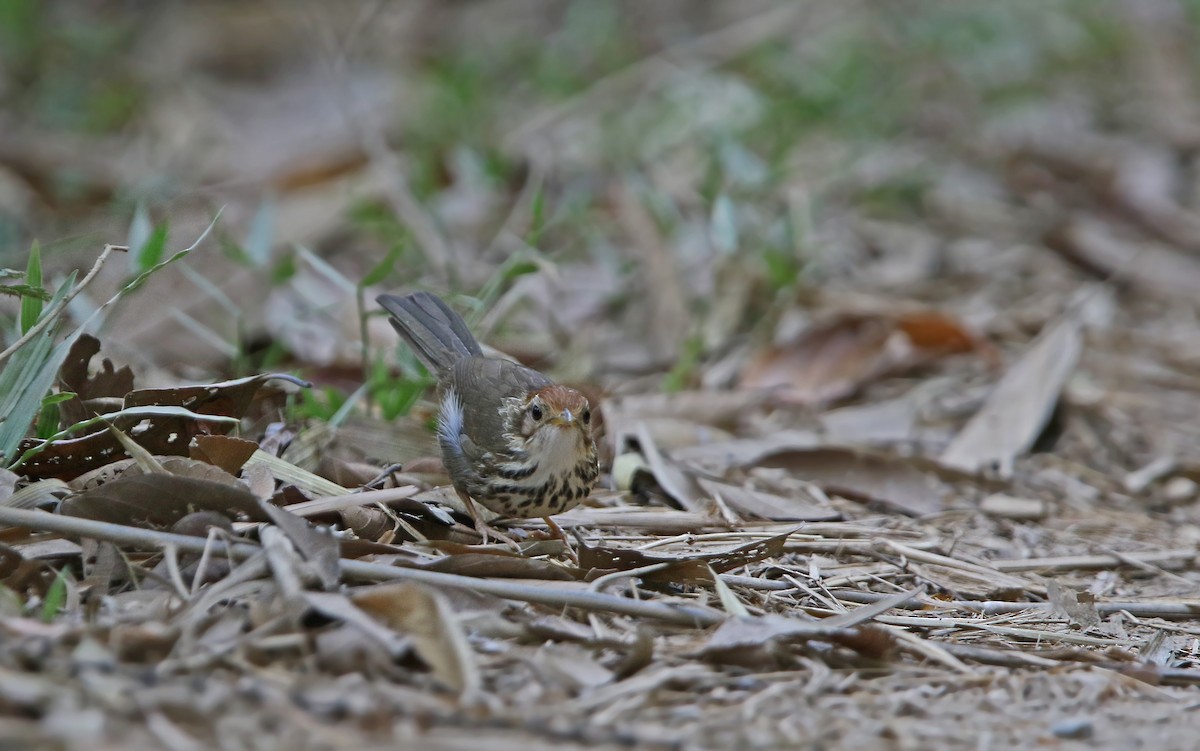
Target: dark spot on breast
[
  {"x": 509, "y": 489},
  {"x": 518, "y": 474}
]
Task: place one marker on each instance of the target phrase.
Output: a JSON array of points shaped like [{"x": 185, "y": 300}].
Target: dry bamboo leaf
[
  {"x": 8, "y": 484},
  {"x": 813, "y": 508},
  {"x": 747, "y": 452},
  {"x": 502, "y": 566},
  {"x": 675, "y": 479},
  {"x": 570, "y": 666},
  {"x": 890, "y": 421},
  {"x": 160, "y": 500},
  {"x": 1020, "y": 404},
  {"x": 367, "y": 523},
  {"x": 969, "y": 583},
  {"x": 437, "y": 635},
  {"x": 741, "y": 633},
  {"x": 898, "y": 482},
  {"x": 1098, "y": 248},
  {"x": 337, "y": 605},
  {"x": 725, "y": 409}
]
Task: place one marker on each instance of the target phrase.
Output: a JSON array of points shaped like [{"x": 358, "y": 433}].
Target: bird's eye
[
  {"x": 586, "y": 416},
  {"x": 535, "y": 412}
]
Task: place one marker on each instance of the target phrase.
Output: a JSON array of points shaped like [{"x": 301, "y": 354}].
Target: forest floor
[{"x": 890, "y": 311}]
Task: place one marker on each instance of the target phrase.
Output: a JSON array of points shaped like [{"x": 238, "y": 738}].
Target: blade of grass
[{"x": 31, "y": 306}]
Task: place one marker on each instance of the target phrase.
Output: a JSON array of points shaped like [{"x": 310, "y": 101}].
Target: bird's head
[{"x": 552, "y": 410}]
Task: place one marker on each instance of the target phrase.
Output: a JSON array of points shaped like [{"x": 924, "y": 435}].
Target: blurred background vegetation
[{"x": 617, "y": 190}]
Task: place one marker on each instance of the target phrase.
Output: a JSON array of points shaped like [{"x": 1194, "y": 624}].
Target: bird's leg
[
  {"x": 558, "y": 532},
  {"x": 380, "y": 478},
  {"x": 482, "y": 527}
]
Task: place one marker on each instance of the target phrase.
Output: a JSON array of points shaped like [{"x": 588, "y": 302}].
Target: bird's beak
[{"x": 566, "y": 419}]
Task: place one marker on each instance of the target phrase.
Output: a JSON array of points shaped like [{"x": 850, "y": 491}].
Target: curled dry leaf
[
  {"x": 223, "y": 451},
  {"x": 1020, "y": 404},
  {"x": 318, "y": 547},
  {"x": 832, "y": 360},
  {"x": 108, "y": 382},
  {"x": 1079, "y": 607},
  {"x": 437, "y": 634},
  {"x": 160, "y": 500}
]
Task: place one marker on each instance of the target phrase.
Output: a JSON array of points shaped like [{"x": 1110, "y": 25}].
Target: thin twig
[
  {"x": 1167, "y": 610},
  {"x": 1182, "y": 556},
  {"x": 680, "y": 614}
]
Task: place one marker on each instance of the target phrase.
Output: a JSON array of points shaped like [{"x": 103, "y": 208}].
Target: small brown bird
[{"x": 511, "y": 438}]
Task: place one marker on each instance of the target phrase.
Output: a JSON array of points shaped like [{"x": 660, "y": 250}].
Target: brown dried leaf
[
  {"x": 504, "y": 566},
  {"x": 226, "y": 398},
  {"x": 437, "y": 635},
  {"x": 826, "y": 363},
  {"x": 223, "y": 451},
  {"x": 1079, "y": 607},
  {"x": 693, "y": 568},
  {"x": 1020, "y": 404},
  {"x": 834, "y": 359},
  {"x": 162, "y": 434},
  {"x": 160, "y": 500},
  {"x": 367, "y": 523}
]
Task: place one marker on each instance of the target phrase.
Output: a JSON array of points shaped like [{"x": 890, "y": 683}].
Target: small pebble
[
  {"x": 1179, "y": 489},
  {"x": 1076, "y": 728}
]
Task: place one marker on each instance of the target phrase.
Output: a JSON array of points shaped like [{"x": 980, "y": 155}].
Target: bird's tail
[{"x": 437, "y": 334}]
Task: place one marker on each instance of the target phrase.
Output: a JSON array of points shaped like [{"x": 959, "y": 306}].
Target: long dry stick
[{"x": 684, "y": 615}]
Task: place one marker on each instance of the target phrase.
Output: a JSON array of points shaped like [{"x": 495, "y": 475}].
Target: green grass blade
[{"x": 31, "y": 306}]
